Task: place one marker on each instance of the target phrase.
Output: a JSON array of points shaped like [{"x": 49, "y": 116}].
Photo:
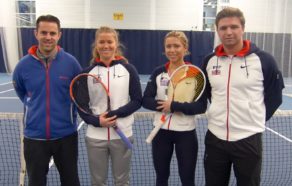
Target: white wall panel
[
  {"x": 138, "y": 14},
  {"x": 179, "y": 15},
  {"x": 261, "y": 15},
  {"x": 70, "y": 12},
  {"x": 270, "y": 16}
]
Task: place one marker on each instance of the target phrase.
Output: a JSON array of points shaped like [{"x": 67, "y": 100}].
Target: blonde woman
[
  {"x": 179, "y": 131},
  {"x": 122, "y": 80}
]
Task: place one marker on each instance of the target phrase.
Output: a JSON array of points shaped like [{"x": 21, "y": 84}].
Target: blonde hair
[
  {"x": 105, "y": 29},
  {"x": 181, "y": 36}
]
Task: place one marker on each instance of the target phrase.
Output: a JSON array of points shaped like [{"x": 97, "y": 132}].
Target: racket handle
[
  {"x": 154, "y": 132},
  {"x": 123, "y": 137}
]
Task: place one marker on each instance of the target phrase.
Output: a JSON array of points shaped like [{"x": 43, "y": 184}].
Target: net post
[{"x": 22, "y": 172}]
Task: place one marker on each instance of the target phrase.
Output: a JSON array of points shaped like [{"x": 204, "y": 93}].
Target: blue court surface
[{"x": 277, "y": 161}]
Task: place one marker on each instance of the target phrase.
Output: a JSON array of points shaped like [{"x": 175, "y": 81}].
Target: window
[
  {"x": 25, "y": 13},
  {"x": 209, "y": 15},
  {"x": 224, "y": 1}
]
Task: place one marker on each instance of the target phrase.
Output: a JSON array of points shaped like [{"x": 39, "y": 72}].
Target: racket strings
[
  {"x": 178, "y": 75},
  {"x": 80, "y": 92},
  {"x": 200, "y": 85},
  {"x": 182, "y": 73},
  {"x": 187, "y": 84},
  {"x": 199, "y": 79},
  {"x": 90, "y": 94}
]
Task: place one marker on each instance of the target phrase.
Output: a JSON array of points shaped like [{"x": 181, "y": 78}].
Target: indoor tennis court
[
  {"x": 277, "y": 144},
  {"x": 142, "y": 26}
]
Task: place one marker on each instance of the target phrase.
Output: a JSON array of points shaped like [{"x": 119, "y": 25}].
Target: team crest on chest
[
  {"x": 216, "y": 70},
  {"x": 96, "y": 80}
]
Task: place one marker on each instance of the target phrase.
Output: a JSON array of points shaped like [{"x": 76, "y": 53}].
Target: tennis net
[{"x": 277, "y": 160}]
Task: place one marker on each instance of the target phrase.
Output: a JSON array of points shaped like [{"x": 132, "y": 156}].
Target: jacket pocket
[
  {"x": 240, "y": 112},
  {"x": 217, "y": 113}
]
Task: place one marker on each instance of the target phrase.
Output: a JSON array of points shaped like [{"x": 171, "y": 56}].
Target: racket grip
[
  {"x": 123, "y": 137},
  {"x": 154, "y": 132}
]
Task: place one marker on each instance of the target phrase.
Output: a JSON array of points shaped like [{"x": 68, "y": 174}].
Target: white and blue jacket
[
  {"x": 123, "y": 83},
  {"x": 44, "y": 90},
  {"x": 244, "y": 91}
]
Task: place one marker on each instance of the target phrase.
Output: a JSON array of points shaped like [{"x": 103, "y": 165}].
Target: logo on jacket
[
  {"x": 94, "y": 81},
  {"x": 64, "y": 77},
  {"x": 243, "y": 66},
  {"x": 98, "y": 79},
  {"x": 164, "y": 80},
  {"x": 119, "y": 76},
  {"x": 216, "y": 70}
]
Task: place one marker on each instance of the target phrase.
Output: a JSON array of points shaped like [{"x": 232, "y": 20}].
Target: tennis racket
[
  {"x": 92, "y": 97},
  {"x": 186, "y": 84}
]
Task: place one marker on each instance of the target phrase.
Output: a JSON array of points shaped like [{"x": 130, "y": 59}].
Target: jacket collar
[
  {"x": 117, "y": 58},
  {"x": 168, "y": 63},
  {"x": 33, "y": 50},
  {"x": 219, "y": 51}
]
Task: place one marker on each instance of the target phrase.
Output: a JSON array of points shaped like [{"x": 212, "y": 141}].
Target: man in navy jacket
[{"x": 41, "y": 80}]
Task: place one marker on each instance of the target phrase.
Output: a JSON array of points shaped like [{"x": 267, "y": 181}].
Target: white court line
[
  {"x": 10, "y": 82},
  {"x": 280, "y": 135},
  {"x": 51, "y": 163},
  {"x": 80, "y": 125},
  {"x": 6, "y": 91},
  {"x": 9, "y": 98},
  {"x": 52, "y": 160},
  {"x": 289, "y": 95}
]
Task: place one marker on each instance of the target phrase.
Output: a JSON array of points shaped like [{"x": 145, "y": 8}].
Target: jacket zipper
[
  {"x": 48, "y": 132},
  {"x": 168, "y": 126},
  {"x": 108, "y": 88},
  {"x": 228, "y": 89}
]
